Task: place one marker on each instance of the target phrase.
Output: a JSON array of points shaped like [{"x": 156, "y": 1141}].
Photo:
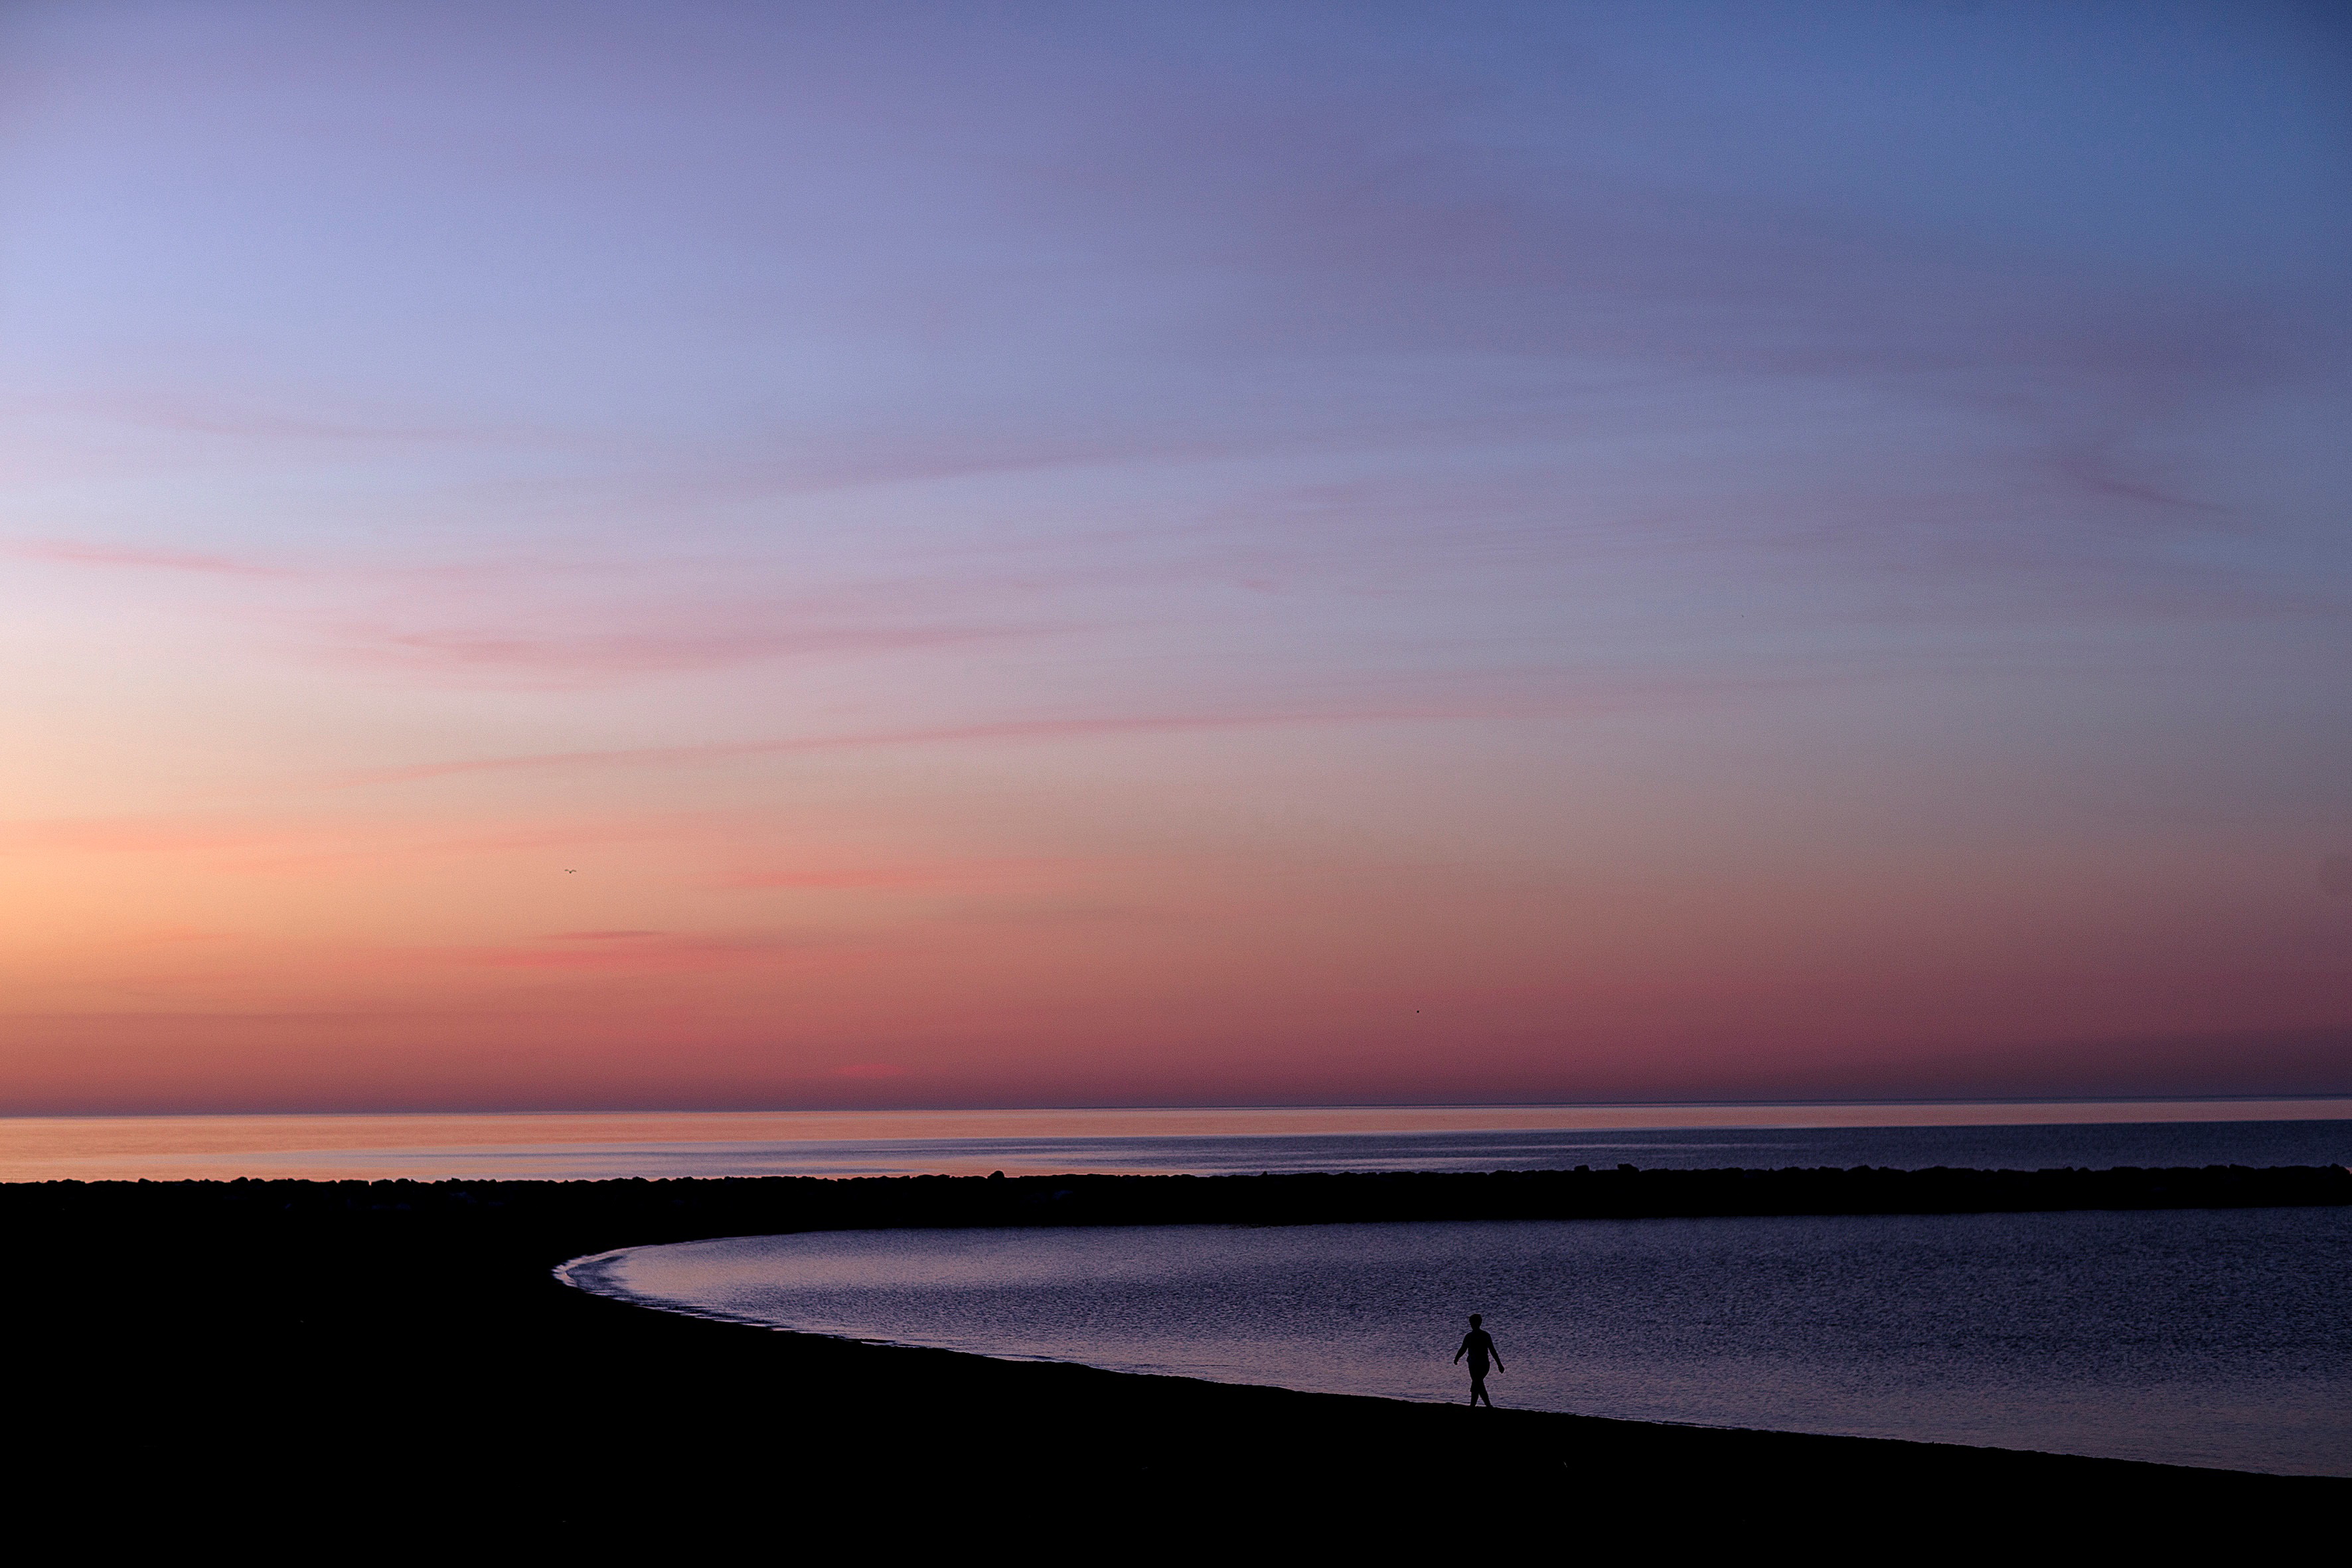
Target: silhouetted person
[{"x": 1479, "y": 1346}]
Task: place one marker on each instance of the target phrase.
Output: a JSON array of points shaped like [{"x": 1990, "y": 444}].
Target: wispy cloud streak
[{"x": 1631, "y": 697}]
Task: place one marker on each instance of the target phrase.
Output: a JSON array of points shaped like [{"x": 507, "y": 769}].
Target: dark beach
[{"x": 317, "y": 1363}]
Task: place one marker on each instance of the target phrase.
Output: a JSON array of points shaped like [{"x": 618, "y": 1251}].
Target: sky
[{"x": 591, "y": 556}]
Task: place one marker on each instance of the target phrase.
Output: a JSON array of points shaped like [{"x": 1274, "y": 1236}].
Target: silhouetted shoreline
[{"x": 290, "y": 1357}]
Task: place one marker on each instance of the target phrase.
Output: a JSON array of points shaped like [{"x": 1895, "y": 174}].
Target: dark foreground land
[{"x": 340, "y": 1369}]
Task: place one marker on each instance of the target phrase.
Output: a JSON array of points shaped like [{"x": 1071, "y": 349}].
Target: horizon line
[{"x": 2345, "y": 1098}]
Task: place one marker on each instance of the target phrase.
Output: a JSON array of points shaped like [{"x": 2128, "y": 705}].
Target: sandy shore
[{"x": 320, "y": 1363}]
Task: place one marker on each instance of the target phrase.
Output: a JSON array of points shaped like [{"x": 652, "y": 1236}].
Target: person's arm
[
  {"x": 1498, "y": 1359},
  {"x": 1464, "y": 1351}
]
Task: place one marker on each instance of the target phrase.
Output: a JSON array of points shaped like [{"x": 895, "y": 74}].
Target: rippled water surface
[{"x": 2204, "y": 1337}]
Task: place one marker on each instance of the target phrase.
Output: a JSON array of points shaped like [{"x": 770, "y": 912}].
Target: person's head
[{"x": 1476, "y": 1320}]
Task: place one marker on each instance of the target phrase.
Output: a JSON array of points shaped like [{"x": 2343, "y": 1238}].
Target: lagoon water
[{"x": 2217, "y": 1338}]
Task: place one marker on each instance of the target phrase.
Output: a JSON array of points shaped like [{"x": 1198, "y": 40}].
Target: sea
[{"x": 1211, "y": 1140}]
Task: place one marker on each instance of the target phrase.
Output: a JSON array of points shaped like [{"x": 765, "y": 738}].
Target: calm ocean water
[
  {"x": 2219, "y": 1338},
  {"x": 1204, "y": 1141}
]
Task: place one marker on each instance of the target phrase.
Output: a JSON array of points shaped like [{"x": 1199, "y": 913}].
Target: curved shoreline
[{"x": 276, "y": 1359}]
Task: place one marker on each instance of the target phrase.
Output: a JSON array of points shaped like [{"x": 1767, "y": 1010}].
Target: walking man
[{"x": 1479, "y": 1346}]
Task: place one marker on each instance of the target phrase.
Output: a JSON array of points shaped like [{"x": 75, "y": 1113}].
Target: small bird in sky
[{"x": 572, "y": 871}]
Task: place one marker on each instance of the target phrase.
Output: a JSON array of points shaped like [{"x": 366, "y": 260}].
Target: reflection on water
[
  {"x": 2215, "y": 1338},
  {"x": 1204, "y": 1142}
]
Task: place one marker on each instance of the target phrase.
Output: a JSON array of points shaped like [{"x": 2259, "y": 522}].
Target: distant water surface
[
  {"x": 2219, "y": 1338},
  {"x": 1204, "y": 1141}
]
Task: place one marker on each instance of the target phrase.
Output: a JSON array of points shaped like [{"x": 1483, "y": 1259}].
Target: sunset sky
[{"x": 765, "y": 555}]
